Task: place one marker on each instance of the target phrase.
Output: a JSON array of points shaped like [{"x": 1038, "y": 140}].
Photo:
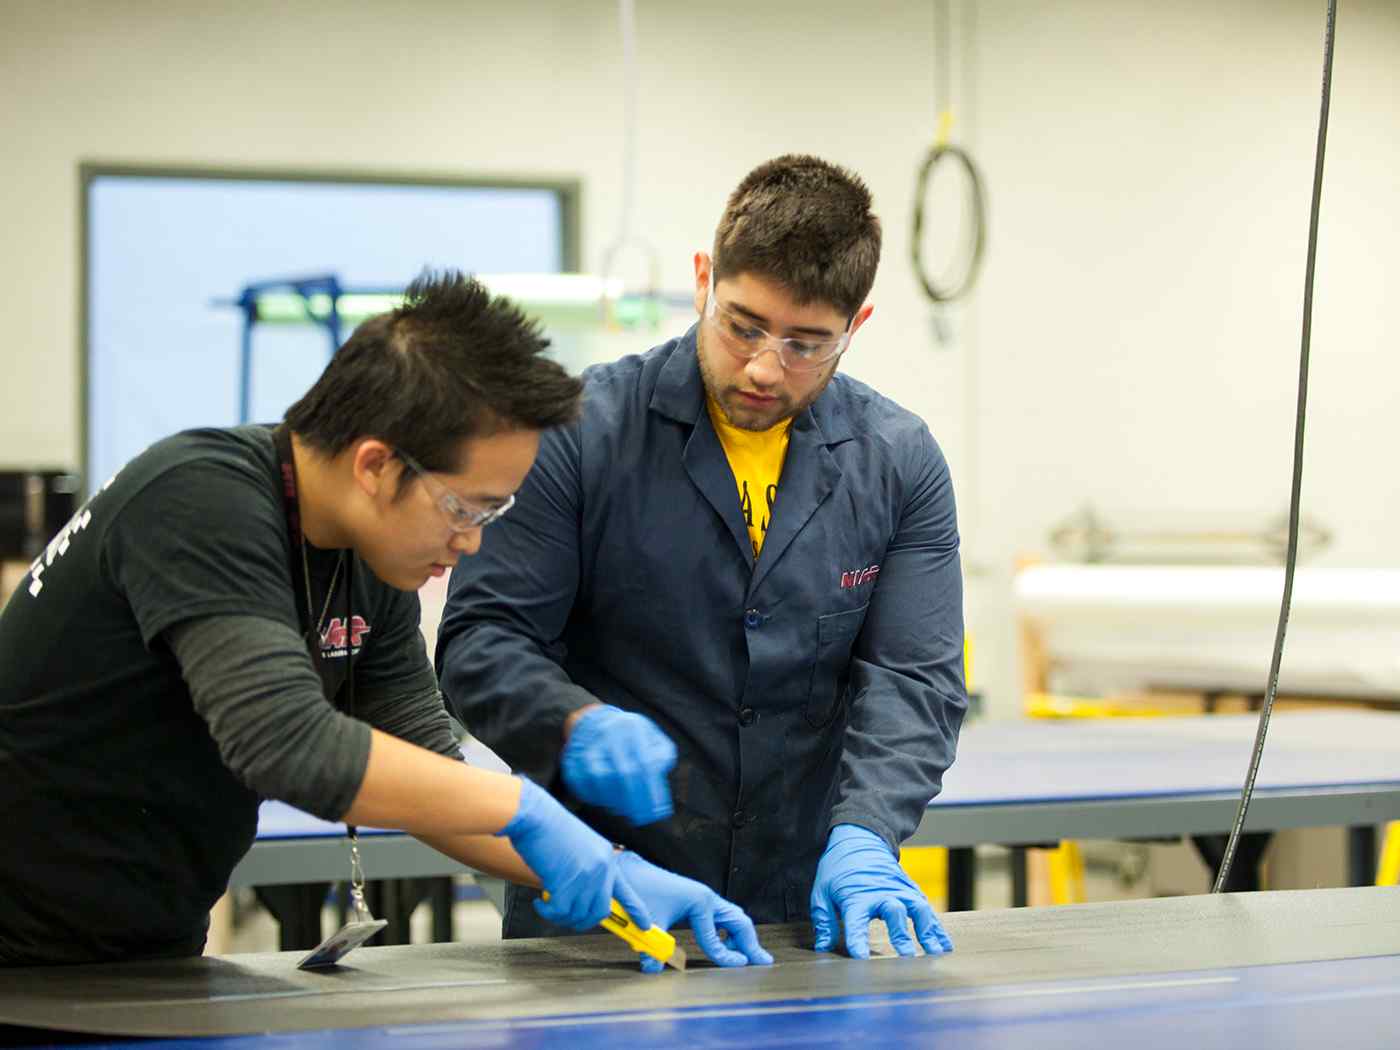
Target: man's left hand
[{"x": 859, "y": 879}]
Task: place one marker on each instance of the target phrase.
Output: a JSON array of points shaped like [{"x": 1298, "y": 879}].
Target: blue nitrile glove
[
  {"x": 858, "y": 879},
  {"x": 577, "y": 866},
  {"x": 619, "y": 761},
  {"x": 673, "y": 897}
]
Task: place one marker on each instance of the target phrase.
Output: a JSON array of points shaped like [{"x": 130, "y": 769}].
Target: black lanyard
[
  {"x": 291, "y": 507},
  {"x": 296, "y": 557}
]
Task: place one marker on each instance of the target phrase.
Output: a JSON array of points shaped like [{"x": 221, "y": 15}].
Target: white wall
[{"x": 1133, "y": 342}]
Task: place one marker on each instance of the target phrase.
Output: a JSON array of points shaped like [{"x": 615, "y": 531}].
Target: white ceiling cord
[
  {"x": 1291, "y": 557},
  {"x": 627, "y": 24},
  {"x": 626, "y": 227}
]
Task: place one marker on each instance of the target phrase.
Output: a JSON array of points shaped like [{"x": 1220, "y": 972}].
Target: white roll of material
[{"x": 1211, "y": 628}]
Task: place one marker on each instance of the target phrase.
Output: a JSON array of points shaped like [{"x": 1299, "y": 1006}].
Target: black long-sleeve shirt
[{"x": 156, "y": 687}]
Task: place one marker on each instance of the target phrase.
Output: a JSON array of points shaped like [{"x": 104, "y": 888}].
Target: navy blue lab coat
[{"x": 822, "y": 685}]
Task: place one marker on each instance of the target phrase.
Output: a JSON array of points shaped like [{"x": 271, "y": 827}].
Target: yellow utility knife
[{"x": 655, "y": 941}]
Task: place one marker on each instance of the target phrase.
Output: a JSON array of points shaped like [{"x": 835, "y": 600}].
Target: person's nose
[
  {"x": 765, "y": 370},
  {"x": 468, "y": 542}
]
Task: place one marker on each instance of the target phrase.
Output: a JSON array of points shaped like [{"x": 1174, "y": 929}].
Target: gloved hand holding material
[
  {"x": 619, "y": 761},
  {"x": 574, "y": 863},
  {"x": 859, "y": 879},
  {"x": 672, "y": 898}
]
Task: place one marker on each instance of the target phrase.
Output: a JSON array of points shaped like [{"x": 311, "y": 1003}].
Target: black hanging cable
[
  {"x": 1291, "y": 558},
  {"x": 974, "y": 224}
]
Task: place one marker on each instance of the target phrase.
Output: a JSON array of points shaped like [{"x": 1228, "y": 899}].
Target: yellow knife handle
[{"x": 654, "y": 941}]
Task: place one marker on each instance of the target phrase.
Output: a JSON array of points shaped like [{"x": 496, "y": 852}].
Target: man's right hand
[
  {"x": 578, "y": 867},
  {"x": 620, "y": 761},
  {"x": 674, "y": 897}
]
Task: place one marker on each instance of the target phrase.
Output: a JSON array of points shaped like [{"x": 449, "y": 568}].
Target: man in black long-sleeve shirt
[{"x": 233, "y": 616}]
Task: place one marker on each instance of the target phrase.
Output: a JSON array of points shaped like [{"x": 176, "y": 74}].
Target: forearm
[
  {"x": 500, "y": 646},
  {"x": 893, "y": 763},
  {"x": 513, "y": 696},
  {"x": 412, "y": 710},
  {"x": 413, "y": 790},
  {"x": 900, "y": 740},
  {"x": 487, "y": 854}
]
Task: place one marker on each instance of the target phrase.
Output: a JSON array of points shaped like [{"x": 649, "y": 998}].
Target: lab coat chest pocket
[{"x": 831, "y": 670}]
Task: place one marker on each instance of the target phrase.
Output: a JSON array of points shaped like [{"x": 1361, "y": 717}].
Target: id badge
[
  {"x": 341, "y": 943},
  {"x": 355, "y": 932}
]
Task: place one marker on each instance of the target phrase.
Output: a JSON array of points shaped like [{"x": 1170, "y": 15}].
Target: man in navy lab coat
[{"x": 724, "y": 619}]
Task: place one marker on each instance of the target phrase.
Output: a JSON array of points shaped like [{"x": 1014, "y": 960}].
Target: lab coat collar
[{"x": 810, "y": 472}]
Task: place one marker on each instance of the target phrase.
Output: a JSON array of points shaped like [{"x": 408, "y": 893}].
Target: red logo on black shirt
[{"x": 333, "y": 637}]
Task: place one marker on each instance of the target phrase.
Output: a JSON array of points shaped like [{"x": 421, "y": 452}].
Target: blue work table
[
  {"x": 1021, "y": 782},
  {"x": 1347, "y": 1004}
]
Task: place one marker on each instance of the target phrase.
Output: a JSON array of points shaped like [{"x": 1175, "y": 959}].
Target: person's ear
[
  {"x": 862, "y": 315},
  {"x": 374, "y": 466},
  {"x": 702, "y": 281}
]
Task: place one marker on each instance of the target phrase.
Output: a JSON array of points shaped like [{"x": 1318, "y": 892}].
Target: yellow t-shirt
[{"x": 756, "y": 458}]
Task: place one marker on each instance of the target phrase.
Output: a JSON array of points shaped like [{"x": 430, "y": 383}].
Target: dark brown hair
[{"x": 806, "y": 224}]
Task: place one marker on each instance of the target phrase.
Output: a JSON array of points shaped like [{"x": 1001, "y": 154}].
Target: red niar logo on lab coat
[{"x": 856, "y": 577}]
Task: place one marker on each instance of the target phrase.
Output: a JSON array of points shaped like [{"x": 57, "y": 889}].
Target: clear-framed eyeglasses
[
  {"x": 746, "y": 340},
  {"x": 462, "y": 515}
]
